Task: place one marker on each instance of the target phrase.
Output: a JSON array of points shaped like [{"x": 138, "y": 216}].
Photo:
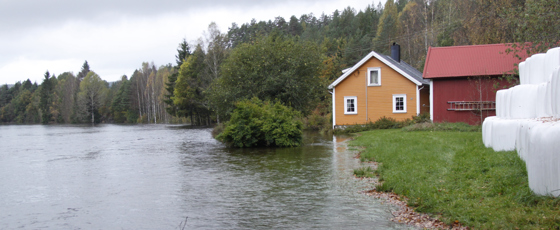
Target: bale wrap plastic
[{"x": 523, "y": 101}]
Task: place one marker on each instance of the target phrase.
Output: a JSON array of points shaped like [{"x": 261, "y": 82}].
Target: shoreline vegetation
[
  {"x": 290, "y": 59},
  {"x": 442, "y": 176}
]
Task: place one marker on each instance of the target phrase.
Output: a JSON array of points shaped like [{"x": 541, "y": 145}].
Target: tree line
[
  {"x": 290, "y": 61},
  {"x": 86, "y": 98}
]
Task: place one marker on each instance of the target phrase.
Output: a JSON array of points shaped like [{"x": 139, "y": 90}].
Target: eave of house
[{"x": 348, "y": 72}]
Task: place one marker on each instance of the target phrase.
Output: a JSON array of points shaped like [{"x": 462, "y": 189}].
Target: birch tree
[
  {"x": 387, "y": 28},
  {"x": 91, "y": 95}
]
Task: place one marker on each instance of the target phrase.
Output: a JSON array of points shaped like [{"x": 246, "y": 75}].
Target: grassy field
[{"x": 453, "y": 177}]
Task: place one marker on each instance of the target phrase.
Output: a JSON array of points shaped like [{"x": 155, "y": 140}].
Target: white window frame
[
  {"x": 346, "y": 104},
  {"x": 395, "y": 96},
  {"x": 369, "y": 70}
]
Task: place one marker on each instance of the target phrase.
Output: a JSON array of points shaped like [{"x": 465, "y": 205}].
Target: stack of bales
[{"x": 528, "y": 120}]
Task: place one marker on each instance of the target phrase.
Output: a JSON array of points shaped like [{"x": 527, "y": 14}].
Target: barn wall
[{"x": 464, "y": 89}]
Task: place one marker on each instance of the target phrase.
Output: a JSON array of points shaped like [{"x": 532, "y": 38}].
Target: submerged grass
[
  {"x": 452, "y": 176},
  {"x": 364, "y": 172}
]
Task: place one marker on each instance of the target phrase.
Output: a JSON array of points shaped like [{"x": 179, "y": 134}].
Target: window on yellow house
[
  {"x": 399, "y": 103},
  {"x": 350, "y": 105},
  {"x": 374, "y": 76}
]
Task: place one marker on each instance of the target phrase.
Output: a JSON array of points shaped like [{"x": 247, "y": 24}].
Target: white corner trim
[
  {"x": 432, "y": 100},
  {"x": 333, "y": 108},
  {"x": 417, "y": 100}
]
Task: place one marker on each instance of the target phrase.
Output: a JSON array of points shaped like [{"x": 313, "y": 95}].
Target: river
[{"x": 159, "y": 176}]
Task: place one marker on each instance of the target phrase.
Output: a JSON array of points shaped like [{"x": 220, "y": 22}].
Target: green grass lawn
[{"x": 452, "y": 176}]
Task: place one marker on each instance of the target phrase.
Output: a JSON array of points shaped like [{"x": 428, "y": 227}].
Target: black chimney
[{"x": 396, "y": 52}]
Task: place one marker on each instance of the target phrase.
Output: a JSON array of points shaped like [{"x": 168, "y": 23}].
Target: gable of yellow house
[{"x": 378, "y": 86}]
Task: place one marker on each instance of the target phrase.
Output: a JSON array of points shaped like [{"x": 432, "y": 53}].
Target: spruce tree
[{"x": 46, "y": 88}]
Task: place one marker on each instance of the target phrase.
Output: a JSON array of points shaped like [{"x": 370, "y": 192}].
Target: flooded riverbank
[{"x": 155, "y": 176}]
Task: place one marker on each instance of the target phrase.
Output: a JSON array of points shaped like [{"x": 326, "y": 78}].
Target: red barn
[{"x": 464, "y": 80}]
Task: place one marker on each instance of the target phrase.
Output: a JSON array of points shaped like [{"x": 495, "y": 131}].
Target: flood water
[{"x": 157, "y": 176}]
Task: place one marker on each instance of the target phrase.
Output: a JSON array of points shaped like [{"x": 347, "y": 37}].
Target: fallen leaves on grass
[
  {"x": 403, "y": 213},
  {"x": 407, "y": 215}
]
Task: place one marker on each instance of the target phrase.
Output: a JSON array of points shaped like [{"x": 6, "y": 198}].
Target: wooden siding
[
  {"x": 463, "y": 89},
  {"x": 425, "y": 100},
  {"x": 379, "y": 99}
]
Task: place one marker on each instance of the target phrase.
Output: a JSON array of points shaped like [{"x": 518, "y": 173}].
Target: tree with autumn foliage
[{"x": 91, "y": 96}]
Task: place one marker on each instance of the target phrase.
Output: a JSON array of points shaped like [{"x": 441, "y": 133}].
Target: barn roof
[
  {"x": 475, "y": 60},
  {"x": 401, "y": 67}
]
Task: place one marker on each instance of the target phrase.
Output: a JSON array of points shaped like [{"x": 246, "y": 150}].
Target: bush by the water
[
  {"x": 257, "y": 123},
  {"x": 319, "y": 119}
]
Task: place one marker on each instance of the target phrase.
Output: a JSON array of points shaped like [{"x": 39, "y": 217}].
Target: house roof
[
  {"x": 401, "y": 67},
  {"x": 475, "y": 60}
]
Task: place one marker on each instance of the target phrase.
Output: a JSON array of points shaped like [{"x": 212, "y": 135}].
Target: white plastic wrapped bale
[
  {"x": 523, "y": 101},
  {"x": 503, "y": 105},
  {"x": 522, "y": 140},
  {"x": 526, "y": 73},
  {"x": 523, "y": 73},
  {"x": 487, "y": 130},
  {"x": 500, "y": 103},
  {"x": 551, "y": 62},
  {"x": 555, "y": 93},
  {"x": 516, "y": 125},
  {"x": 536, "y": 69},
  {"x": 548, "y": 99},
  {"x": 503, "y": 134},
  {"x": 543, "y": 104},
  {"x": 543, "y": 164},
  {"x": 507, "y": 103}
]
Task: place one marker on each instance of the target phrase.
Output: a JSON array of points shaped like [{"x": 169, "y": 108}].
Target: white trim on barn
[{"x": 432, "y": 100}]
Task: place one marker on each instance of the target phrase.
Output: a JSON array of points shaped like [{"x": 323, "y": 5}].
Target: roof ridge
[
  {"x": 469, "y": 46},
  {"x": 387, "y": 60}
]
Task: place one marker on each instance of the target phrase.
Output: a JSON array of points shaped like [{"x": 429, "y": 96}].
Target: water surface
[{"x": 156, "y": 176}]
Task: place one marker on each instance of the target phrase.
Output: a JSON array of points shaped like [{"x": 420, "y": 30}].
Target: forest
[{"x": 287, "y": 60}]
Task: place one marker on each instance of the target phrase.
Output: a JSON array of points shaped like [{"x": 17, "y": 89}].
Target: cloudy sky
[{"x": 115, "y": 37}]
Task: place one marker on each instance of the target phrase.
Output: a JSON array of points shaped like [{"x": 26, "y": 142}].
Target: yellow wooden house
[{"x": 378, "y": 86}]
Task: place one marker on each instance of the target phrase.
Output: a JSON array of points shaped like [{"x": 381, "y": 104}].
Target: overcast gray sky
[{"x": 115, "y": 37}]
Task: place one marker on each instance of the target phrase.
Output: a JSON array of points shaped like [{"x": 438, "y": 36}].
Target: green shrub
[
  {"x": 317, "y": 121},
  {"x": 422, "y": 118},
  {"x": 257, "y": 123},
  {"x": 381, "y": 123}
]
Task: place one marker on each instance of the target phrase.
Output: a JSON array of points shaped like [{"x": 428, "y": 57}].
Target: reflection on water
[{"x": 155, "y": 176}]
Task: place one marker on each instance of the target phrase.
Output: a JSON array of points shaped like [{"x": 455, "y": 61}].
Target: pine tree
[
  {"x": 46, "y": 89},
  {"x": 85, "y": 70},
  {"x": 182, "y": 54}
]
